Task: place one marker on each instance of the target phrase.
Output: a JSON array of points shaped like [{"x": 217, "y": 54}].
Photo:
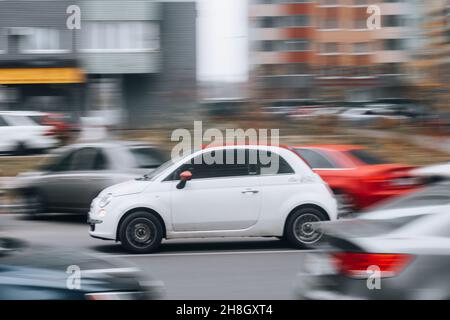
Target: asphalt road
[{"x": 238, "y": 268}]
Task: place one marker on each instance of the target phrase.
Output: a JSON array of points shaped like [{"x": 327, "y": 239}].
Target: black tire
[
  {"x": 298, "y": 230},
  {"x": 21, "y": 149},
  {"x": 141, "y": 232}
]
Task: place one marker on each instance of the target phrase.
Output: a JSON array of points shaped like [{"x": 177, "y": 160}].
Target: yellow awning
[{"x": 41, "y": 75}]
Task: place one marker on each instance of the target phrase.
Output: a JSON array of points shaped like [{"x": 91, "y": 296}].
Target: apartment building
[
  {"x": 337, "y": 56},
  {"x": 432, "y": 64}
]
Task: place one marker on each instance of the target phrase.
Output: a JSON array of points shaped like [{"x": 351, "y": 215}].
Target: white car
[
  {"x": 370, "y": 114},
  {"x": 437, "y": 172},
  {"x": 189, "y": 198},
  {"x": 20, "y": 133}
]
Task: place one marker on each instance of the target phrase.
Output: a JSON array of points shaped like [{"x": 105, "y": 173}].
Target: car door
[
  {"x": 53, "y": 185},
  {"x": 279, "y": 183},
  {"x": 91, "y": 173},
  {"x": 220, "y": 196}
]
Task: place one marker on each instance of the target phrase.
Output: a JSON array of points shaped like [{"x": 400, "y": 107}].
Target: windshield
[
  {"x": 147, "y": 157},
  {"x": 151, "y": 176}
]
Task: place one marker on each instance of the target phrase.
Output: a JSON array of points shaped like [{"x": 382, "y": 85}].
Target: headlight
[{"x": 105, "y": 200}]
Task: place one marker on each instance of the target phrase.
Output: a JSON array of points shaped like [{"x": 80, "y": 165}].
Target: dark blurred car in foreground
[
  {"x": 358, "y": 178},
  {"x": 402, "y": 258},
  {"x": 79, "y": 172},
  {"x": 41, "y": 273},
  {"x": 428, "y": 200}
]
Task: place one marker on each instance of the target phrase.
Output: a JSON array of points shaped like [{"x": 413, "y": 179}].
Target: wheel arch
[{"x": 138, "y": 209}]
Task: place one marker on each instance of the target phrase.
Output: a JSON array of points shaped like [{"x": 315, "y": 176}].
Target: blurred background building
[
  {"x": 136, "y": 60},
  {"x": 124, "y": 62},
  {"x": 39, "y": 65},
  {"x": 430, "y": 68},
  {"x": 306, "y": 49}
]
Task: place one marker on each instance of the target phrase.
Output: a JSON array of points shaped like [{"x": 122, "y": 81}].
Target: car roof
[{"x": 331, "y": 147}]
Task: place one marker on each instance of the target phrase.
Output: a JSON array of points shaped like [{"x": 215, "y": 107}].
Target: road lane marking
[{"x": 201, "y": 253}]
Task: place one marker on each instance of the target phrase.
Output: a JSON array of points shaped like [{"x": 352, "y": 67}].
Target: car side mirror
[{"x": 185, "y": 176}]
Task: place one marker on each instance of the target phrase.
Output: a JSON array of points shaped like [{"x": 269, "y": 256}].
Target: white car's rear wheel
[
  {"x": 300, "y": 230},
  {"x": 141, "y": 232}
]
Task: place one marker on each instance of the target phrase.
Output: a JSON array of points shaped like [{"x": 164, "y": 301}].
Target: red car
[
  {"x": 63, "y": 125},
  {"x": 358, "y": 178}
]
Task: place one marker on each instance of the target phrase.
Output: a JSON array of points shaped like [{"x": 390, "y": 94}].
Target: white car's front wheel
[
  {"x": 300, "y": 230},
  {"x": 141, "y": 232}
]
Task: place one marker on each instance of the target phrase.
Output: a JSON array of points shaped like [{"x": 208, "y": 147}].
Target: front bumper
[{"x": 100, "y": 222}]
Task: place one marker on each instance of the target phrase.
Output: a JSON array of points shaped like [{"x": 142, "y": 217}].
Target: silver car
[
  {"x": 403, "y": 259},
  {"x": 77, "y": 174}
]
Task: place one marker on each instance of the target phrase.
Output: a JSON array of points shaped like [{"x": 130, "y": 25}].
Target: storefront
[{"x": 55, "y": 89}]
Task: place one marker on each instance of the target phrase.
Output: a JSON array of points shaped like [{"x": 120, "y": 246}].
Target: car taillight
[{"x": 361, "y": 265}]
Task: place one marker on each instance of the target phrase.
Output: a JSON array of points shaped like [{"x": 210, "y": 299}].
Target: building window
[
  {"x": 394, "y": 44},
  {"x": 120, "y": 36},
  {"x": 291, "y": 21},
  {"x": 285, "y": 45},
  {"x": 282, "y": 1},
  {"x": 44, "y": 40},
  {"x": 330, "y": 24},
  {"x": 393, "y": 21},
  {"x": 391, "y": 68},
  {"x": 3, "y": 41},
  {"x": 284, "y": 69},
  {"x": 329, "y": 2},
  {"x": 361, "y": 47},
  {"x": 360, "y": 24},
  {"x": 329, "y": 48}
]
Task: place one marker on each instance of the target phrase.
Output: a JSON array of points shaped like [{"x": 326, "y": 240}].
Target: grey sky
[{"x": 222, "y": 40}]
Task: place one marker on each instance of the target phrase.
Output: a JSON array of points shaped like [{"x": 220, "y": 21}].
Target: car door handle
[{"x": 250, "y": 191}]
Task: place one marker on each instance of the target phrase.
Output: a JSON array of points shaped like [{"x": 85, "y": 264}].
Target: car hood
[{"x": 126, "y": 188}]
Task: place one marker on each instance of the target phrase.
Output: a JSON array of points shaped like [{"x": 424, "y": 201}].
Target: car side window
[
  {"x": 315, "y": 159},
  {"x": 61, "y": 164},
  {"x": 147, "y": 157},
  {"x": 101, "y": 161},
  {"x": 84, "y": 159},
  {"x": 271, "y": 163},
  {"x": 234, "y": 163}
]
